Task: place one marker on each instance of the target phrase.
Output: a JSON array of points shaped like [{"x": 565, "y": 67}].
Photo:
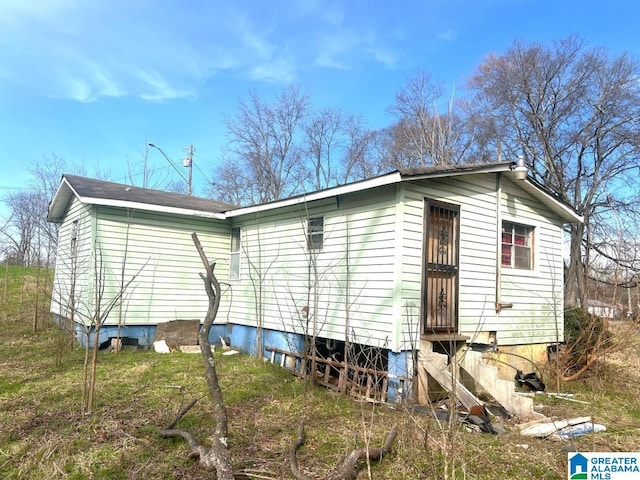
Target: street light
[{"x": 188, "y": 162}]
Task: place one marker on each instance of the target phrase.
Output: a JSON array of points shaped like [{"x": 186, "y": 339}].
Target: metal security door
[{"x": 440, "y": 313}]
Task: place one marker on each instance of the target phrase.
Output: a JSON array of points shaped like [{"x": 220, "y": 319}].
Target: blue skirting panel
[
  {"x": 243, "y": 338},
  {"x": 400, "y": 370},
  {"x": 142, "y": 335}
]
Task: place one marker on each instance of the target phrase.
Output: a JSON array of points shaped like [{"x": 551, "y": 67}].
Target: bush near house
[{"x": 584, "y": 335}]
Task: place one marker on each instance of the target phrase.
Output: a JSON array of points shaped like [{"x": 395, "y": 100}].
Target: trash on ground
[
  {"x": 530, "y": 381},
  {"x": 561, "y": 396},
  {"x": 574, "y": 431},
  {"x": 478, "y": 420},
  {"x": 161, "y": 346},
  {"x": 562, "y": 429}
]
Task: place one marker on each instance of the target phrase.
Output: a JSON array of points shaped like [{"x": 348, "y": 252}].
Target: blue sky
[{"x": 92, "y": 81}]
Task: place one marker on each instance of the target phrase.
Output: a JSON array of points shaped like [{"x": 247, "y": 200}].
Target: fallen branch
[
  {"x": 293, "y": 458},
  {"x": 348, "y": 470},
  {"x": 180, "y": 414}
]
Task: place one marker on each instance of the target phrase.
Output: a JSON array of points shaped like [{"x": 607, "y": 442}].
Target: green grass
[{"x": 43, "y": 435}]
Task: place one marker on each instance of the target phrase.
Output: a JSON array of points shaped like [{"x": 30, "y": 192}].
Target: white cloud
[
  {"x": 89, "y": 49},
  {"x": 335, "y": 47},
  {"x": 84, "y": 51},
  {"x": 156, "y": 88},
  {"x": 250, "y": 38},
  {"x": 384, "y": 56},
  {"x": 281, "y": 70},
  {"x": 76, "y": 89}
]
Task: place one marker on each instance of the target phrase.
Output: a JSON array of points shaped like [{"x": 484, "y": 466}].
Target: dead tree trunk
[{"x": 218, "y": 456}]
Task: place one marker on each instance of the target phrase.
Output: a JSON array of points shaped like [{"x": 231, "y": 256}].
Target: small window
[
  {"x": 315, "y": 233},
  {"x": 517, "y": 242},
  {"x": 234, "y": 257},
  {"x": 74, "y": 239}
]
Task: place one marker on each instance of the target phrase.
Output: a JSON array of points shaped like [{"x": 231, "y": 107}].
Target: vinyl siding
[
  {"x": 71, "y": 294},
  {"x": 359, "y": 238},
  {"x": 476, "y": 199},
  {"x": 536, "y": 295},
  {"x": 159, "y": 255}
]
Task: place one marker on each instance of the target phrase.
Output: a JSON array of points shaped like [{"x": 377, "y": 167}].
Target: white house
[{"x": 408, "y": 261}]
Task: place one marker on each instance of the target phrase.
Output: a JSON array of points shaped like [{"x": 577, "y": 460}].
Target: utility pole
[{"x": 188, "y": 162}]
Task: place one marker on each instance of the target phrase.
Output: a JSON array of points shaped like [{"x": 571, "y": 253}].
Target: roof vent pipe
[{"x": 520, "y": 170}]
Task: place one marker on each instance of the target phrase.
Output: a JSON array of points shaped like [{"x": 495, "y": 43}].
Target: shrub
[{"x": 584, "y": 335}]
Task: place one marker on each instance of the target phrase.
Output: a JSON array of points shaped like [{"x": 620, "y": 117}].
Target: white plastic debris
[
  {"x": 563, "y": 429},
  {"x": 161, "y": 347}
]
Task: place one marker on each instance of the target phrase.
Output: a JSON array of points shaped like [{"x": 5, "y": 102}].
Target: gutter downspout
[{"x": 498, "y": 242}]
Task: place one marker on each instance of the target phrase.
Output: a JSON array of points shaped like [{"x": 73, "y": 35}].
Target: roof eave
[
  {"x": 150, "y": 207},
  {"x": 380, "y": 181},
  {"x": 65, "y": 191},
  {"x": 565, "y": 211},
  {"x": 408, "y": 174}
]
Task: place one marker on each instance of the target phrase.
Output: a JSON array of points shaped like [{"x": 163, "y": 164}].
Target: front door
[{"x": 440, "y": 273}]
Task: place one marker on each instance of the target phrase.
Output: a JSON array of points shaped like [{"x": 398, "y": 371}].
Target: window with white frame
[
  {"x": 315, "y": 233},
  {"x": 234, "y": 256},
  {"x": 517, "y": 246}
]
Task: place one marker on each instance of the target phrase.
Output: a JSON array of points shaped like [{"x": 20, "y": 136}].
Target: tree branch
[
  {"x": 217, "y": 457},
  {"x": 348, "y": 470}
]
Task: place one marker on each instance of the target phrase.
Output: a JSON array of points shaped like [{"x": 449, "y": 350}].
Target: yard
[{"x": 43, "y": 435}]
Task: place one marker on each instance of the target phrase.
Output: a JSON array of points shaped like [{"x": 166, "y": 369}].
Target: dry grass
[{"x": 43, "y": 435}]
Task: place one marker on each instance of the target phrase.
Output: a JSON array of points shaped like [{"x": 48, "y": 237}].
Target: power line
[{"x": 206, "y": 177}]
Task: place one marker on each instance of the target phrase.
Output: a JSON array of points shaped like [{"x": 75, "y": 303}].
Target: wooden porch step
[{"x": 436, "y": 366}]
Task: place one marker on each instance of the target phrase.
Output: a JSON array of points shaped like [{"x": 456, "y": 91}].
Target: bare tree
[
  {"x": 145, "y": 174},
  {"x": 321, "y": 146},
  {"x": 358, "y": 160},
  {"x": 232, "y": 184},
  {"x": 414, "y": 106},
  {"x": 22, "y": 228},
  {"x": 45, "y": 179},
  {"x": 573, "y": 113},
  {"x": 85, "y": 296},
  {"x": 389, "y": 151},
  {"x": 31, "y": 237},
  {"x": 424, "y": 134},
  {"x": 338, "y": 148},
  {"x": 263, "y": 160}
]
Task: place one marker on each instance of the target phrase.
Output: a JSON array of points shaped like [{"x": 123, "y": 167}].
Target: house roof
[
  {"x": 554, "y": 203},
  {"x": 100, "y": 192},
  {"x": 114, "y": 194}
]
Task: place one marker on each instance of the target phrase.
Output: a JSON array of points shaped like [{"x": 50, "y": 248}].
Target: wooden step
[{"x": 433, "y": 364}]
